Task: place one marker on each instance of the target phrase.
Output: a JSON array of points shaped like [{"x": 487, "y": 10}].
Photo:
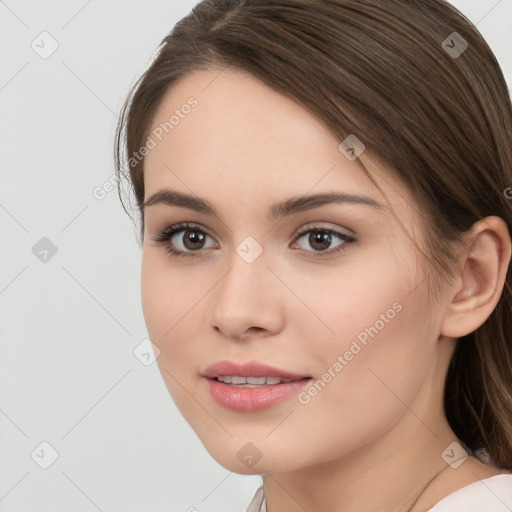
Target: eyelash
[{"x": 164, "y": 237}]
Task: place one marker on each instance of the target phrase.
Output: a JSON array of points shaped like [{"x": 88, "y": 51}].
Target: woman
[{"x": 322, "y": 189}]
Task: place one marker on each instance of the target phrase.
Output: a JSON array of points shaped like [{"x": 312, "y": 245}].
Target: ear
[{"x": 484, "y": 265}]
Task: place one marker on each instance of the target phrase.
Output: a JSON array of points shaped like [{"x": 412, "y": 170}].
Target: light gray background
[{"x": 69, "y": 325}]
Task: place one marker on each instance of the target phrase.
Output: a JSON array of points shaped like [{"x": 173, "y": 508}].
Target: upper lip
[{"x": 249, "y": 369}]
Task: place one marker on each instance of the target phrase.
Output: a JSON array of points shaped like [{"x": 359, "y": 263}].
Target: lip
[
  {"x": 241, "y": 399},
  {"x": 249, "y": 369}
]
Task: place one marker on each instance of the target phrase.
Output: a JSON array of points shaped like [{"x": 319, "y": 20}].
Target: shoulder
[{"x": 493, "y": 494}]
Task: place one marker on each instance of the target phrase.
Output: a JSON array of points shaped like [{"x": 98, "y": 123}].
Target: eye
[
  {"x": 187, "y": 241},
  {"x": 320, "y": 239},
  {"x": 182, "y": 245}
]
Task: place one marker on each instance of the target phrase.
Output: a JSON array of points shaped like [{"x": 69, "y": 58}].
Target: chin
[{"x": 247, "y": 458}]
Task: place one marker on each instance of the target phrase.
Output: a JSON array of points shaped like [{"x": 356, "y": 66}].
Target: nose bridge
[
  {"x": 246, "y": 296},
  {"x": 245, "y": 283}
]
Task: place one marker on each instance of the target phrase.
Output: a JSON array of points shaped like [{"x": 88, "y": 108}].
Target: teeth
[
  {"x": 250, "y": 382},
  {"x": 257, "y": 380}
]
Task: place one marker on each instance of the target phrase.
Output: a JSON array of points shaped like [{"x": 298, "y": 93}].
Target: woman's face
[{"x": 341, "y": 311}]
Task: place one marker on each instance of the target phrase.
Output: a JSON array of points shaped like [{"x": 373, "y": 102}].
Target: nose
[{"x": 248, "y": 301}]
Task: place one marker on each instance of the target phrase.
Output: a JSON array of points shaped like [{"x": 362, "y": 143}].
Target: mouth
[
  {"x": 251, "y": 387},
  {"x": 251, "y": 382}
]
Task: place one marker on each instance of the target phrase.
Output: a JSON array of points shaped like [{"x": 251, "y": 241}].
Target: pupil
[
  {"x": 320, "y": 237},
  {"x": 194, "y": 238}
]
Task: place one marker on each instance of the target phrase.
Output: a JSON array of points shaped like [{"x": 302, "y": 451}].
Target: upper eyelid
[
  {"x": 299, "y": 233},
  {"x": 177, "y": 228}
]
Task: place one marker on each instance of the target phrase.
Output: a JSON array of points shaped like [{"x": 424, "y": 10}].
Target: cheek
[
  {"x": 167, "y": 305},
  {"x": 367, "y": 374},
  {"x": 366, "y": 298},
  {"x": 168, "y": 296},
  {"x": 379, "y": 340},
  {"x": 168, "y": 302}
]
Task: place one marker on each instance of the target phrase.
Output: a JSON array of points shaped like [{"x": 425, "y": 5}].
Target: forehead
[
  {"x": 236, "y": 117},
  {"x": 227, "y": 136}
]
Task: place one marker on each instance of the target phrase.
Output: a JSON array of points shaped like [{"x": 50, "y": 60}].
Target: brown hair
[{"x": 380, "y": 69}]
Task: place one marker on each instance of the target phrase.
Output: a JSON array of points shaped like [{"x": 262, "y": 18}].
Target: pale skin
[{"x": 373, "y": 437}]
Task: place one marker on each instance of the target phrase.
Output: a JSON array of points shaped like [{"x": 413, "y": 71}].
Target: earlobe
[{"x": 484, "y": 264}]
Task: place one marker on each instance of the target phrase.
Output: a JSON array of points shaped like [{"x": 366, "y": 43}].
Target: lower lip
[{"x": 243, "y": 399}]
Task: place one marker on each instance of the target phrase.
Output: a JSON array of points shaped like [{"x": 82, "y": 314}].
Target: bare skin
[{"x": 375, "y": 435}]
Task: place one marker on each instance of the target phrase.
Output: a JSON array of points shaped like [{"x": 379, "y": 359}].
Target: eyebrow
[{"x": 279, "y": 210}]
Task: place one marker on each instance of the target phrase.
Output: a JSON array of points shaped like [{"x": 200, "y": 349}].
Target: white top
[{"x": 493, "y": 494}]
